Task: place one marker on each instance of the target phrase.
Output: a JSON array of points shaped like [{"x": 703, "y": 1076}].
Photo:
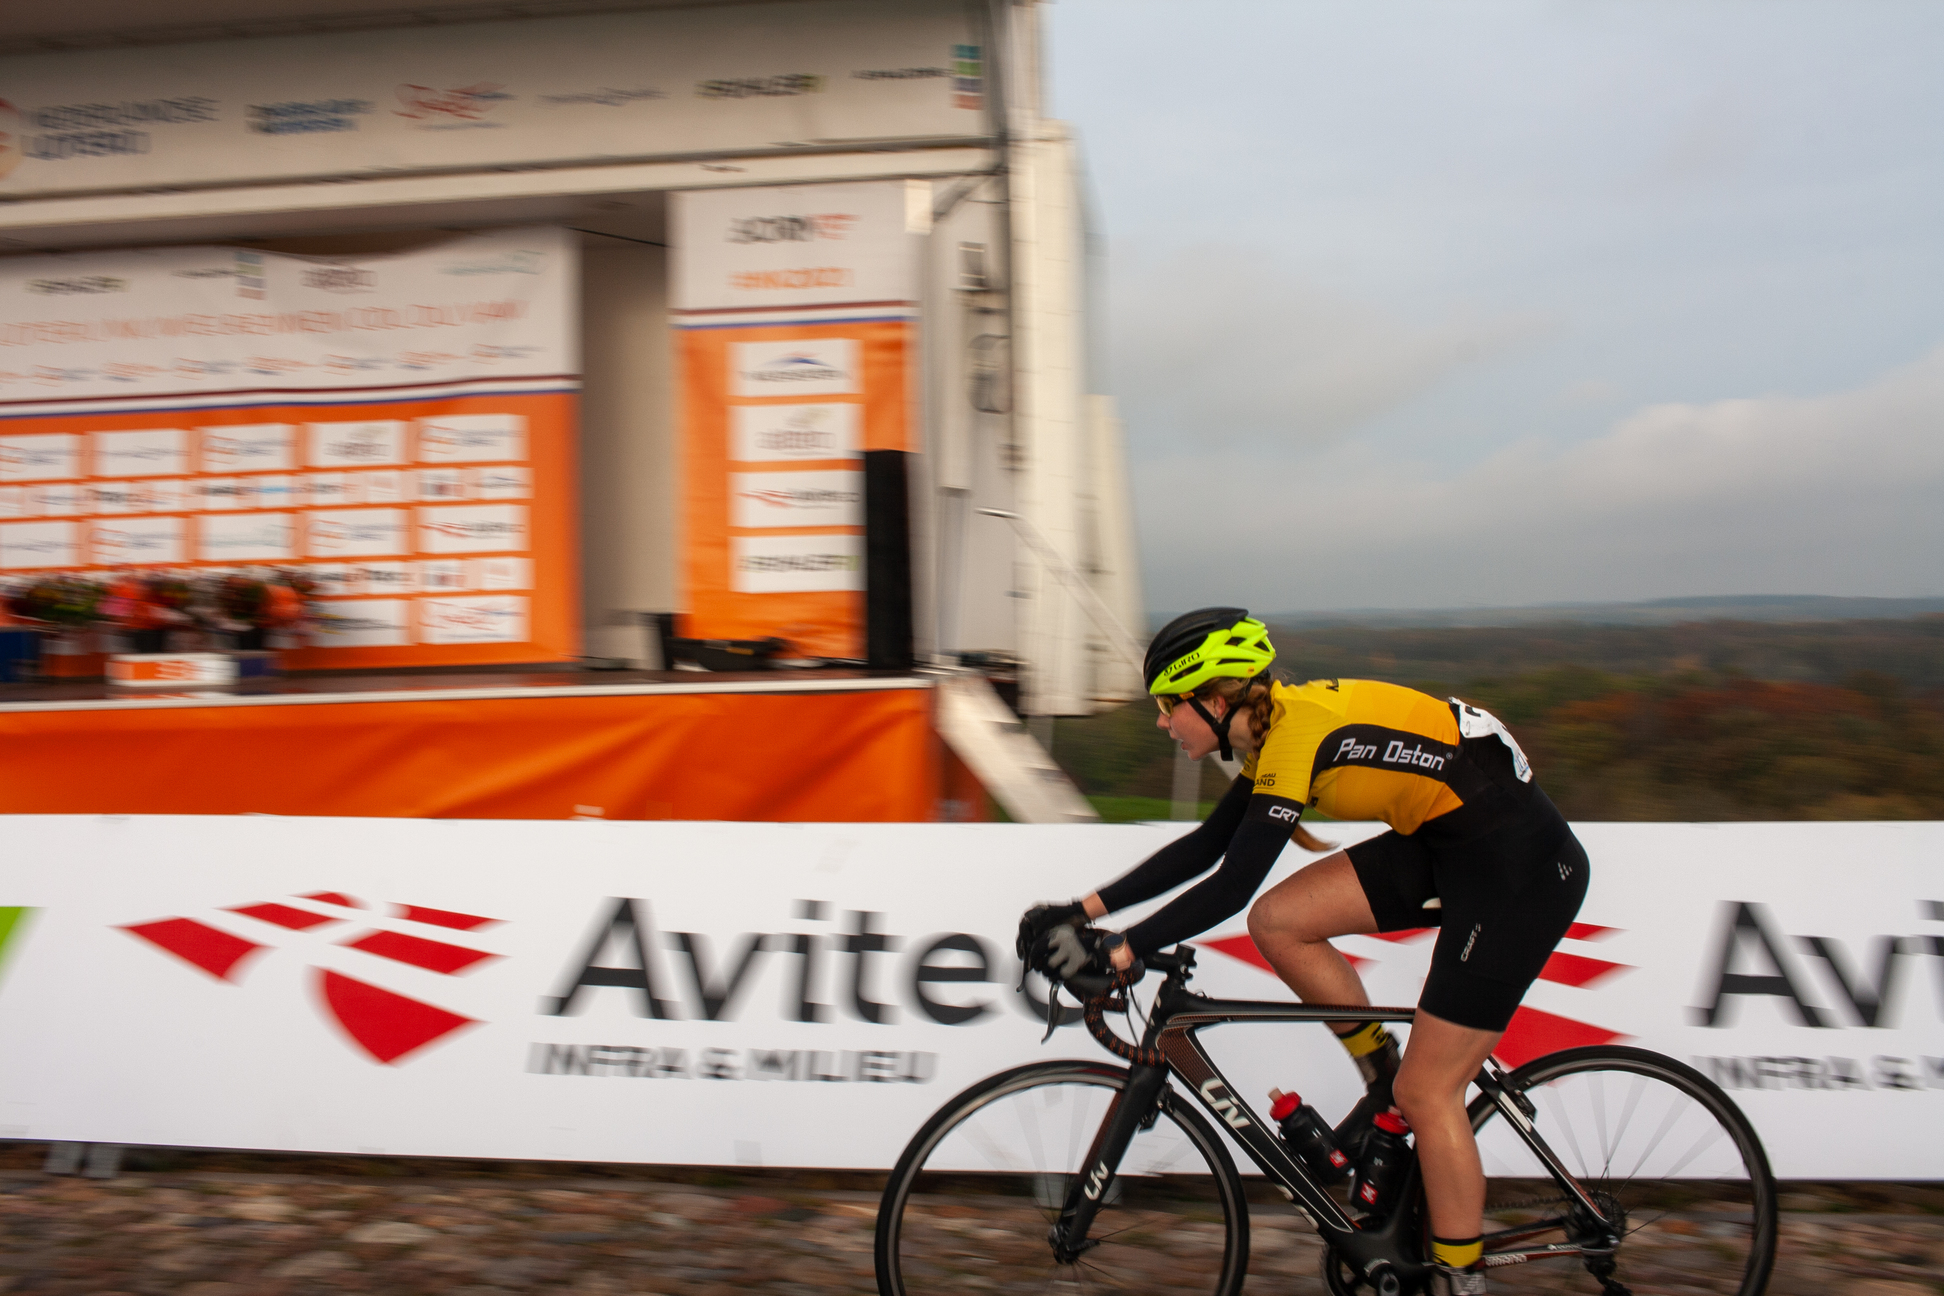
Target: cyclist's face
[{"x": 1187, "y": 728}]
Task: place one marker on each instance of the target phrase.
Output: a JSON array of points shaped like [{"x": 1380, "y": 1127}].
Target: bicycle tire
[
  {"x": 962, "y": 1210},
  {"x": 1652, "y": 1136}
]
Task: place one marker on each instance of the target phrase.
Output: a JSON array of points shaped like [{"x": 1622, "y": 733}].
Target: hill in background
[
  {"x": 1673, "y": 611},
  {"x": 1690, "y": 720}
]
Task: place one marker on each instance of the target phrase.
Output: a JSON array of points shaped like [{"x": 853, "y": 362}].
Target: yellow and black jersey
[
  {"x": 1445, "y": 776},
  {"x": 1360, "y": 750}
]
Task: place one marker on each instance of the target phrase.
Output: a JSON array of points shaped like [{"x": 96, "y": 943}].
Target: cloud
[
  {"x": 1830, "y": 494},
  {"x": 1217, "y": 348}
]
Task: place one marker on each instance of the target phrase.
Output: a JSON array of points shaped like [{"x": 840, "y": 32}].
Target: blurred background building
[{"x": 855, "y": 201}]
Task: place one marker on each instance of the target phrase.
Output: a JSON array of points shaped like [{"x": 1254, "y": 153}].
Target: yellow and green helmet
[{"x": 1208, "y": 643}]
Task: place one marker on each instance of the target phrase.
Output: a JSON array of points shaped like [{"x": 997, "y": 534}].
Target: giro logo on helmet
[{"x": 1204, "y": 645}]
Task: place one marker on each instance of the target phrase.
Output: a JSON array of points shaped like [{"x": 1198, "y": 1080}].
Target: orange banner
[
  {"x": 440, "y": 531},
  {"x": 776, "y": 418},
  {"x": 825, "y": 757}
]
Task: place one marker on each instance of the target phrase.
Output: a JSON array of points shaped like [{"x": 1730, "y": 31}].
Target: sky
[{"x": 1473, "y": 304}]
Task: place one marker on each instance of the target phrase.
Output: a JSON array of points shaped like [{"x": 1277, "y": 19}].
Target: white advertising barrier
[{"x": 807, "y": 994}]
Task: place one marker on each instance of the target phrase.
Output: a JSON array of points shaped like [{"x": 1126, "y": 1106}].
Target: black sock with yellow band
[
  {"x": 1374, "y": 1050},
  {"x": 1372, "y": 1047},
  {"x": 1461, "y": 1254}
]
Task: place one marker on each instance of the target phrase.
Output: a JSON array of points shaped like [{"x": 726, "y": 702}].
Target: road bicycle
[{"x": 1081, "y": 1176}]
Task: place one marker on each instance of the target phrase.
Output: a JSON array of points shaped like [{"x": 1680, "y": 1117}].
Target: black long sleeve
[
  {"x": 1248, "y": 850},
  {"x": 1186, "y": 856},
  {"x": 1252, "y": 852}
]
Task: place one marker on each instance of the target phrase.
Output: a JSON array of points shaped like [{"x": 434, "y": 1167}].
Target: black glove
[
  {"x": 1068, "y": 952},
  {"x": 1042, "y": 918}
]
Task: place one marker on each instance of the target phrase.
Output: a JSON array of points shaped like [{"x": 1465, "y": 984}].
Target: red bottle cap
[
  {"x": 1391, "y": 1123},
  {"x": 1285, "y": 1104}
]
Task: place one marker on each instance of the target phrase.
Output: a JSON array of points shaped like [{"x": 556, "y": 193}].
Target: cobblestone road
[{"x": 229, "y": 1233}]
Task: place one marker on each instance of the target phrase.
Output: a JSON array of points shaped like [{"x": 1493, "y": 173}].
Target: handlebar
[
  {"x": 1089, "y": 986},
  {"x": 1096, "y": 994}
]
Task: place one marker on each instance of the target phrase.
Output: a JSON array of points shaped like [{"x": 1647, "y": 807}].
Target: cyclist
[{"x": 1474, "y": 848}]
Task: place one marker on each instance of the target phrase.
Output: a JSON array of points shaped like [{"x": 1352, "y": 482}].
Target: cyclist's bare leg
[
  {"x": 1440, "y": 1061},
  {"x": 1293, "y": 921},
  {"x": 1291, "y": 924}
]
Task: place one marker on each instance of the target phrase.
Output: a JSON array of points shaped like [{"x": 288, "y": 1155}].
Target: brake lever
[{"x": 1052, "y": 1007}]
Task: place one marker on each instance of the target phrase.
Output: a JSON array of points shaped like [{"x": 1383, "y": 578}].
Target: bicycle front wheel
[
  {"x": 973, "y": 1198},
  {"x": 1666, "y": 1155}
]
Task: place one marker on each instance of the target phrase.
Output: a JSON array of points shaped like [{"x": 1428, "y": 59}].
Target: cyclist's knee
[
  {"x": 1261, "y": 923},
  {"x": 1409, "y": 1093},
  {"x": 1421, "y": 1094},
  {"x": 1272, "y": 920}
]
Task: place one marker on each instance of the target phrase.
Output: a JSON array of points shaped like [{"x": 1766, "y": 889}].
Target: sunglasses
[{"x": 1168, "y": 704}]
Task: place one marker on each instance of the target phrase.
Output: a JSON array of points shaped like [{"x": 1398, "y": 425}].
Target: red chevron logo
[
  {"x": 1532, "y": 1032},
  {"x": 386, "y": 1026}
]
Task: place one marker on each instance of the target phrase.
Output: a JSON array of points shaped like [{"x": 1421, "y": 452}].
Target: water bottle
[
  {"x": 1309, "y": 1136},
  {"x": 1379, "y": 1175}
]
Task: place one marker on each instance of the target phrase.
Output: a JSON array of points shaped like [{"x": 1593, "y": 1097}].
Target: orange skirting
[{"x": 794, "y": 757}]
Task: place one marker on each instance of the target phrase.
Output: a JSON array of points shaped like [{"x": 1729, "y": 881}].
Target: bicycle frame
[{"x": 1177, "y": 1018}]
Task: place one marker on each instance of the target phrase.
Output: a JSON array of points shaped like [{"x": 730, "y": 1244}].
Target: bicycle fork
[{"x": 1132, "y": 1108}]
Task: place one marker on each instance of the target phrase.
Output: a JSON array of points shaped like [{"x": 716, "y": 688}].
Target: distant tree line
[{"x": 1706, "y": 721}]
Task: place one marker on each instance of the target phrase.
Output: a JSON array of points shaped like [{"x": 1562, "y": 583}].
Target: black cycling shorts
[{"x": 1506, "y": 897}]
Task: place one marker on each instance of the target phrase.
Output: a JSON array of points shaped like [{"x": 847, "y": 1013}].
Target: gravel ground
[{"x": 319, "y": 1226}]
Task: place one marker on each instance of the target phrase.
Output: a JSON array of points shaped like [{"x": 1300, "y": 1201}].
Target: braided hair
[{"x": 1258, "y": 697}]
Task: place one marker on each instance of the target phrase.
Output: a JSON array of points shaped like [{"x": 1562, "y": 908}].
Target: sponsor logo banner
[
  {"x": 46, "y": 457},
  {"x": 247, "y": 537},
  {"x": 156, "y": 452},
  {"x": 472, "y": 438},
  {"x": 744, "y": 581},
  {"x": 365, "y": 623},
  {"x": 419, "y": 987},
  {"x": 25, "y": 546},
  {"x": 796, "y": 499},
  {"x": 475, "y": 528},
  {"x": 796, "y": 564},
  {"x": 250, "y": 447},
  {"x": 474, "y": 620},
  {"x": 480, "y": 424},
  {"x": 13, "y": 923},
  {"x": 795, "y": 245},
  {"x": 357, "y": 533},
  {"x": 777, "y": 433},
  {"x": 798, "y": 367},
  {"x": 577, "y": 88},
  {"x": 364, "y": 444},
  {"x": 219, "y": 321},
  {"x": 797, "y": 398},
  {"x": 133, "y": 541}
]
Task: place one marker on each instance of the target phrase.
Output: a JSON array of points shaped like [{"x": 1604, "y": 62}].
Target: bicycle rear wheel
[
  {"x": 971, "y": 1202},
  {"x": 1662, "y": 1150}
]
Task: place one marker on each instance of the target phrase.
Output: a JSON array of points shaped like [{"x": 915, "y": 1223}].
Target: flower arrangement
[
  {"x": 62, "y": 602},
  {"x": 146, "y": 605}
]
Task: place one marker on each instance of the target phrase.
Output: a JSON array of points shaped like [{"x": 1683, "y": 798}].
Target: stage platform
[{"x": 538, "y": 743}]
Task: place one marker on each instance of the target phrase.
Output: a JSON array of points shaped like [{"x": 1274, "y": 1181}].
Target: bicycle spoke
[
  {"x": 1634, "y": 1094},
  {"x": 1656, "y": 1152},
  {"x": 1599, "y": 1124},
  {"x": 1673, "y": 1115},
  {"x": 984, "y": 1231}
]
